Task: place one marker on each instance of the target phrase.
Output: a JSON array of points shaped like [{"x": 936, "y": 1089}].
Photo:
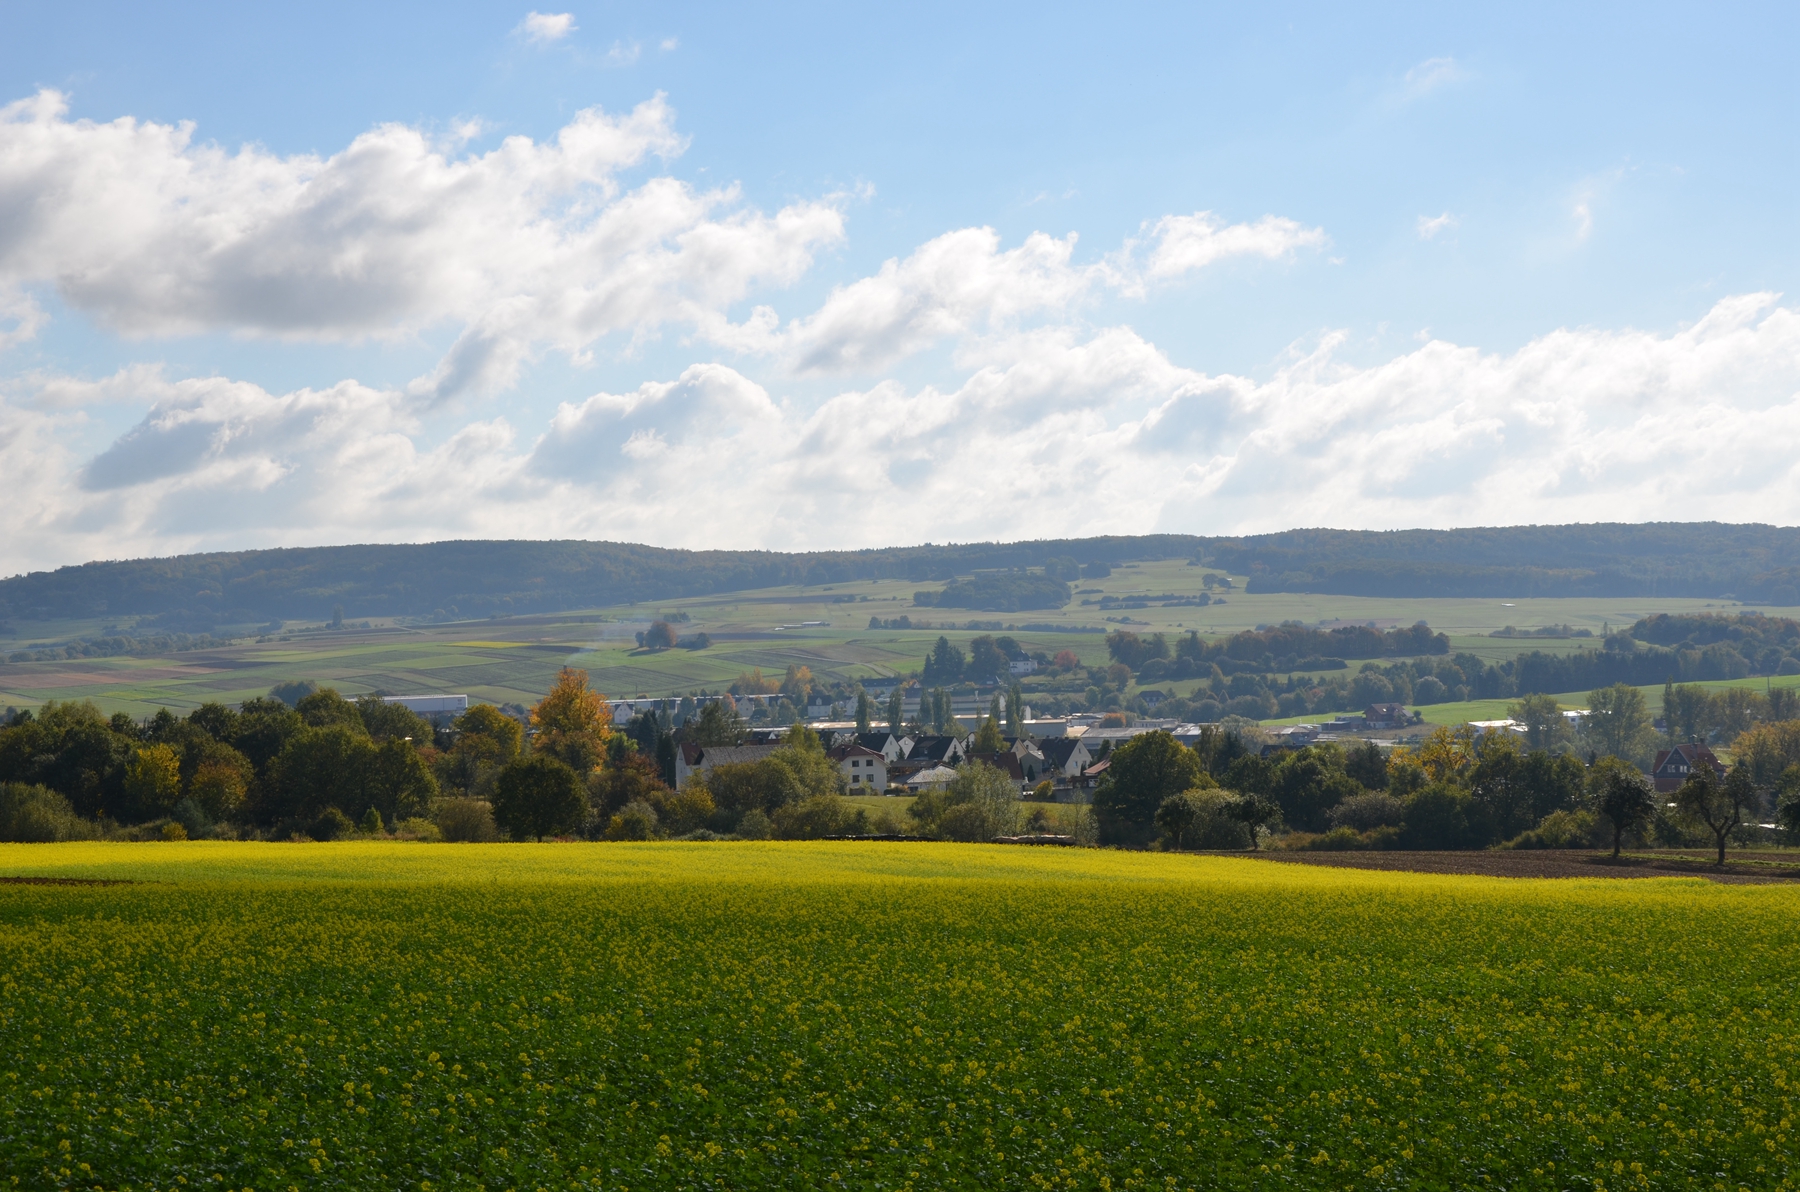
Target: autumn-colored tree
[
  {"x": 572, "y": 723},
  {"x": 153, "y": 778},
  {"x": 797, "y": 683},
  {"x": 1446, "y": 755},
  {"x": 754, "y": 684}
]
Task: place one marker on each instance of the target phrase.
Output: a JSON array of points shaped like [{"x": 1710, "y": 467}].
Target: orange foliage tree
[{"x": 572, "y": 723}]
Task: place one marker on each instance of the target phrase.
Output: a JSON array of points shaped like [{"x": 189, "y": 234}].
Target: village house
[
  {"x": 932, "y": 777},
  {"x": 865, "y": 771},
  {"x": 1065, "y": 758},
  {"x": 943, "y": 751},
  {"x": 1007, "y": 762},
  {"x": 1674, "y": 765},
  {"x": 698, "y": 759}
]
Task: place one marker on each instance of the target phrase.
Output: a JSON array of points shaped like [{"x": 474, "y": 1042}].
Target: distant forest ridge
[{"x": 475, "y": 578}]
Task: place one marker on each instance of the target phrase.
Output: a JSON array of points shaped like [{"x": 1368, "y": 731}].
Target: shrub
[
  {"x": 1340, "y": 839},
  {"x": 1044, "y": 792},
  {"x": 1437, "y": 817},
  {"x": 820, "y": 815},
  {"x": 172, "y": 830},
  {"x": 1203, "y": 819},
  {"x": 38, "y": 815},
  {"x": 465, "y": 821},
  {"x": 1561, "y": 829},
  {"x": 965, "y": 822},
  {"x": 192, "y": 817},
  {"x": 634, "y": 821},
  {"x": 420, "y": 829},
  {"x": 331, "y": 824},
  {"x": 755, "y": 825},
  {"x": 1364, "y": 813}
]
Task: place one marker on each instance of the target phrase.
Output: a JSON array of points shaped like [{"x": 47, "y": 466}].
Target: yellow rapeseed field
[{"x": 738, "y": 1016}]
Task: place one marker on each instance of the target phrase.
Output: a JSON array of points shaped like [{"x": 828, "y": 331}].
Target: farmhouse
[
  {"x": 1674, "y": 765},
  {"x": 1386, "y": 716}
]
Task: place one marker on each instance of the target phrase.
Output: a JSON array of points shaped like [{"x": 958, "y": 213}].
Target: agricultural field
[
  {"x": 1462, "y": 712},
  {"x": 514, "y": 659},
  {"x": 878, "y": 1016}
]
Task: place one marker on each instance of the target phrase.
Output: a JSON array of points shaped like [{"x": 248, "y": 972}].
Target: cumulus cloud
[
  {"x": 528, "y": 245},
  {"x": 1188, "y": 242},
  {"x": 964, "y": 284},
  {"x": 1052, "y": 432},
  {"x": 547, "y": 27}
]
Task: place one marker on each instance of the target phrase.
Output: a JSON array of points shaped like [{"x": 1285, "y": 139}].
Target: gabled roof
[
  {"x": 935, "y": 748},
  {"x": 846, "y": 752},
  {"x": 725, "y": 755},
  {"x": 1060, "y": 749},
  {"x": 1692, "y": 753},
  {"x": 1006, "y": 761}
]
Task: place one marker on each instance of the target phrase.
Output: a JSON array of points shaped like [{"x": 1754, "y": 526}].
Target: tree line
[{"x": 1454, "y": 790}]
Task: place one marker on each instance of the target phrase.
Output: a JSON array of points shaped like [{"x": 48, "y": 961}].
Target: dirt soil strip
[
  {"x": 65, "y": 881},
  {"x": 1547, "y": 863}
]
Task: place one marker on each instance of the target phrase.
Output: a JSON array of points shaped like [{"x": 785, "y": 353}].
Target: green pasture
[
  {"x": 1495, "y": 709},
  {"x": 879, "y": 1016},
  {"x": 515, "y": 659}
]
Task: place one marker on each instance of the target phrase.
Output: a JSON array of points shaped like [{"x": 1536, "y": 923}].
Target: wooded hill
[{"x": 462, "y": 579}]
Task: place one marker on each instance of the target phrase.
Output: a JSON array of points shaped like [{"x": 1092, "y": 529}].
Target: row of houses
[{"x": 881, "y": 763}]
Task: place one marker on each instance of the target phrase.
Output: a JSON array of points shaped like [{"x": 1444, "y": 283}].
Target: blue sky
[{"x": 1404, "y": 266}]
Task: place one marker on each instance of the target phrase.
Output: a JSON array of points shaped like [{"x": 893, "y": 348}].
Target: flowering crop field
[{"x": 739, "y": 1016}]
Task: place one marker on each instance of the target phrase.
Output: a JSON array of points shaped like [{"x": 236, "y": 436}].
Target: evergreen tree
[
  {"x": 862, "y": 711},
  {"x": 895, "y": 712}
]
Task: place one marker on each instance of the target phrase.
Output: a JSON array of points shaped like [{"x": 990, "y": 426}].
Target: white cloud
[
  {"x": 1052, "y": 432},
  {"x": 1431, "y": 74},
  {"x": 671, "y": 43},
  {"x": 1431, "y": 225},
  {"x": 1583, "y": 214},
  {"x": 963, "y": 284},
  {"x": 547, "y": 27},
  {"x": 623, "y": 53},
  {"x": 532, "y": 244},
  {"x": 20, "y": 318},
  {"x": 1188, "y": 242}
]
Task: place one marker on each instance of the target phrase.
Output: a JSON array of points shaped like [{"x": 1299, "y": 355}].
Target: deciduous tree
[
  {"x": 1624, "y": 797},
  {"x": 539, "y": 796},
  {"x": 572, "y": 723},
  {"x": 1144, "y": 771},
  {"x": 1719, "y": 806},
  {"x": 1618, "y": 724}
]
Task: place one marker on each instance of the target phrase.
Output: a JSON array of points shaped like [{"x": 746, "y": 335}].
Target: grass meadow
[{"x": 878, "y": 1016}]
